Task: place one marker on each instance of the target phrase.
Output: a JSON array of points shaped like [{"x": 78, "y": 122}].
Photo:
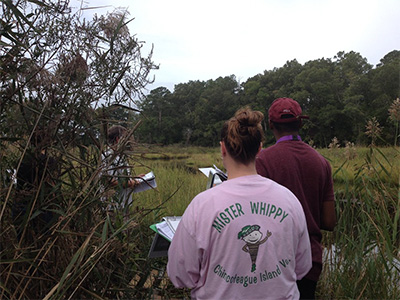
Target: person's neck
[
  {"x": 279, "y": 135},
  {"x": 235, "y": 169}
]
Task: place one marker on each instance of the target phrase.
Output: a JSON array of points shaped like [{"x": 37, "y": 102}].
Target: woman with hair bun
[{"x": 247, "y": 237}]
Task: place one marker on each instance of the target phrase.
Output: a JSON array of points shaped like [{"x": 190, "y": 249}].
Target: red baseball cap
[{"x": 285, "y": 110}]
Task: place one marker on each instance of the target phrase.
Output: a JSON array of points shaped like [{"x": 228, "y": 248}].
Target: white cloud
[{"x": 201, "y": 40}]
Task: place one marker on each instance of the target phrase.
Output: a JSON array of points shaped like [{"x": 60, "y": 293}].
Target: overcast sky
[{"x": 206, "y": 39}]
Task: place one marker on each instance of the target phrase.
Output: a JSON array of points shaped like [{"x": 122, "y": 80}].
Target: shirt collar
[{"x": 291, "y": 137}]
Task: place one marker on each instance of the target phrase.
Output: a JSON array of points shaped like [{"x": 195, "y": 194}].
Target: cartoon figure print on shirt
[{"x": 252, "y": 236}]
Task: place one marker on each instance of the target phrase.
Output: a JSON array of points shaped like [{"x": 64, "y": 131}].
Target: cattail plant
[
  {"x": 394, "y": 116},
  {"x": 373, "y": 130},
  {"x": 334, "y": 144},
  {"x": 350, "y": 151}
]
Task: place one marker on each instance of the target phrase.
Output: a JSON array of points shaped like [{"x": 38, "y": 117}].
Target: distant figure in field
[{"x": 118, "y": 170}]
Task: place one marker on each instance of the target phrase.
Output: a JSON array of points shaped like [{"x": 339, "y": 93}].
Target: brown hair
[
  {"x": 115, "y": 132},
  {"x": 242, "y": 134}
]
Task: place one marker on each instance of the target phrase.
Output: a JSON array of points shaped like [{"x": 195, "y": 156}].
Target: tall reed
[
  {"x": 362, "y": 258},
  {"x": 90, "y": 253},
  {"x": 87, "y": 250}
]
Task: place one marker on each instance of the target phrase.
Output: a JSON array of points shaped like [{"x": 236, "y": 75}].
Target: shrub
[{"x": 63, "y": 82}]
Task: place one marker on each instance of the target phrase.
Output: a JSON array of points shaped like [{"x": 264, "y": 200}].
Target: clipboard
[
  {"x": 159, "y": 247},
  {"x": 215, "y": 176},
  {"x": 165, "y": 231}
]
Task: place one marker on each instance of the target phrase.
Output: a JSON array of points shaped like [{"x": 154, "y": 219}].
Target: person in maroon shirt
[{"x": 297, "y": 166}]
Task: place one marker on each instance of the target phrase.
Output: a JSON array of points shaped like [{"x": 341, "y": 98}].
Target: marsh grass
[
  {"x": 361, "y": 258},
  {"x": 87, "y": 250},
  {"x": 362, "y": 255},
  {"x": 373, "y": 163},
  {"x": 94, "y": 254},
  {"x": 177, "y": 177}
]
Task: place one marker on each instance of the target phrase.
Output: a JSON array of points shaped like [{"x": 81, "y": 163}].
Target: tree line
[{"x": 340, "y": 94}]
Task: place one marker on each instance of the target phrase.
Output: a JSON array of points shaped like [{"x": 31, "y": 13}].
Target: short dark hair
[{"x": 287, "y": 127}]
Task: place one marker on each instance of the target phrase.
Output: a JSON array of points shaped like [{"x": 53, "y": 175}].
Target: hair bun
[{"x": 249, "y": 118}]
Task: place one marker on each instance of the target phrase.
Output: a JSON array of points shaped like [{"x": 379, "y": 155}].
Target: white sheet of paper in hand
[
  {"x": 165, "y": 230},
  {"x": 147, "y": 182},
  {"x": 173, "y": 222},
  {"x": 207, "y": 171}
]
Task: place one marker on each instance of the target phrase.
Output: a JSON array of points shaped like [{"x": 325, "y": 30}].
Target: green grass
[
  {"x": 177, "y": 176},
  {"x": 103, "y": 253},
  {"x": 363, "y": 251}
]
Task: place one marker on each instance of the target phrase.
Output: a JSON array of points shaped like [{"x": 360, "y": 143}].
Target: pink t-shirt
[{"x": 243, "y": 239}]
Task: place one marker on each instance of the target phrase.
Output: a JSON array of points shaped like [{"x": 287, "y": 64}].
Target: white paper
[
  {"x": 168, "y": 226},
  {"x": 213, "y": 179},
  {"x": 147, "y": 182},
  {"x": 149, "y": 176},
  {"x": 207, "y": 171},
  {"x": 165, "y": 230},
  {"x": 173, "y": 222}
]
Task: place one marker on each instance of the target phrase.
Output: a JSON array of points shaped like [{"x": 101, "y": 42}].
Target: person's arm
[
  {"x": 303, "y": 253},
  {"x": 328, "y": 212},
  {"x": 184, "y": 258},
  {"x": 130, "y": 183},
  {"x": 328, "y": 215}
]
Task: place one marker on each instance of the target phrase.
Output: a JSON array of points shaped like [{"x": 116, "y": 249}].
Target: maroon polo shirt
[{"x": 300, "y": 168}]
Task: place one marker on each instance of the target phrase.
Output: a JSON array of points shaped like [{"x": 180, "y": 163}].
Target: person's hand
[{"x": 133, "y": 182}]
